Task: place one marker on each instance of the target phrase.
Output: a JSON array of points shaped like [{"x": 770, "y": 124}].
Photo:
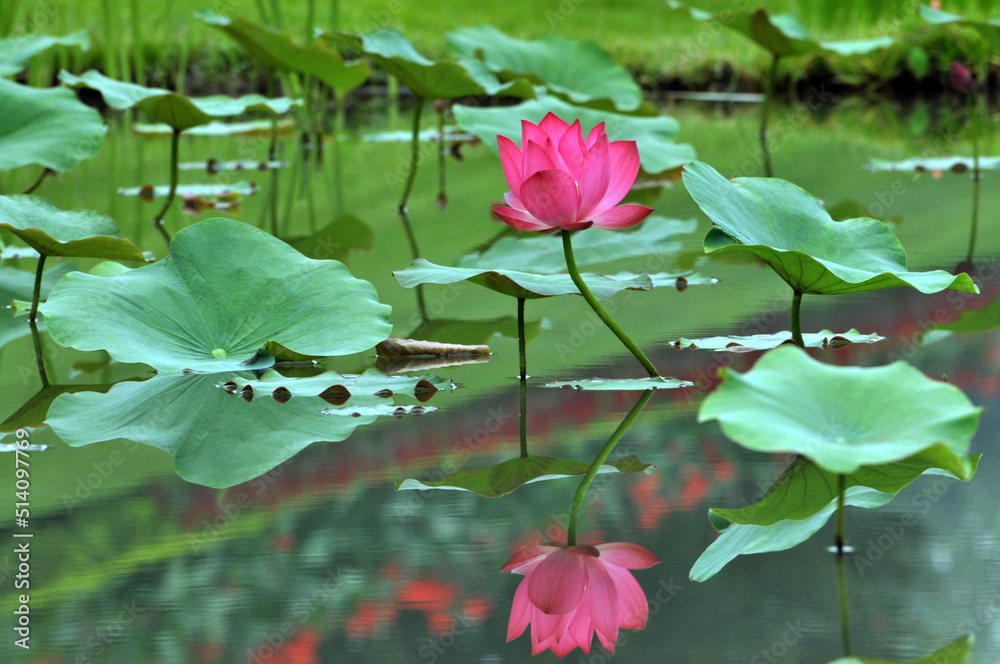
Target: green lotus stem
[
  {"x": 272, "y": 155},
  {"x": 796, "y": 319},
  {"x": 602, "y": 456},
  {"x": 37, "y": 183},
  {"x": 768, "y": 93},
  {"x": 416, "y": 254},
  {"x": 107, "y": 13},
  {"x": 334, "y": 15},
  {"x": 976, "y": 177},
  {"x": 523, "y": 361},
  {"x": 175, "y": 138},
  {"x": 338, "y": 184},
  {"x": 37, "y": 293},
  {"x": 574, "y": 273},
  {"x": 276, "y": 14},
  {"x": 441, "y": 155},
  {"x": 845, "y": 616},
  {"x": 414, "y": 154},
  {"x": 36, "y": 341},
  {"x": 138, "y": 54}
]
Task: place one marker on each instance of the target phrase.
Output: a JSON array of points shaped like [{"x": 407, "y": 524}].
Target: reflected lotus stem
[
  {"x": 845, "y": 616},
  {"x": 796, "y": 319},
  {"x": 523, "y": 356},
  {"x": 414, "y": 154},
  {"x": 574, "y": 273},
  {"x": 602, "y": 456},
  {"x": 768, "y": 93},
  {"x": 158, "y": 220},
  {"x": 976, "y": 176}
]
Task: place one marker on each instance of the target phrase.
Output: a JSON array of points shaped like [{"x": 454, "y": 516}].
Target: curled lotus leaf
[{"x": 16, "y": 52}]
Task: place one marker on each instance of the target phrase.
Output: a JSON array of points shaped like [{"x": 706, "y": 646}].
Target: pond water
[{"x": 321, "y": 560}]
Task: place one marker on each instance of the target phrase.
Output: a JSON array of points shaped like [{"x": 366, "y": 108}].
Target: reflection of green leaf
[
  {"x": 176, "y": 110},
  {"x": 789, "y": 229},
  {"x": 395, "y": 348},
  {"x": 956, "y": 652},
  {"x": 743, "y": 344},
  {"x": 225, "y": 289},
  {"x": 621, "y": 384},
  {"x": 55, "y": 232},
  {"x": 654, "y": 136},
  {"x": 519, "y": 284},
  {"x": 840, "y": 417},
  {"x": 46, "y": 127},
  {"x": 920, "y": 165},
  {"x": 343, "y": 235},
  {"x": 370, "y": 383},
  {"x": 474, "y": 332},
  {"x": 428, "y": 79},
  {"x": 804, "y": 488},
  {"x": 973, "y": 320},
  {"x": 579, "y": 70},
  {"x": 656, "y": 237},
  {"x": 510, "y": 475},
  {"x": 279, "y": 52},
  {"x": 780, "y": 34},
  {"x": 15, "y": 52},
  {"x": 34, "y": 411},
  {"x": 216, "y": 438},
  {"x": 18, "y": 285}
]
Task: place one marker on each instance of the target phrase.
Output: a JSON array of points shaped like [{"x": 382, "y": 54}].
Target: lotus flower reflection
[
  {"x": 568, "y": 594},
  {"x": 560, "y": 180}
]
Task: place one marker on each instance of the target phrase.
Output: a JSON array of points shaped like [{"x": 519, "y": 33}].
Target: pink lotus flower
[
  {"x": 559, "y": 180},
  {"x": 568, "y": 594},
  {"x": 960, "y": 78}
]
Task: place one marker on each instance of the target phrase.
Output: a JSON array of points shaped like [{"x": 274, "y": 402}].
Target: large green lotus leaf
[
  {"x": 745, "y": 344},
  {"x": 55, "y": 232},
  {"x": 956, "y": 652},
  {"x": 519, "y": 284},
  {"x": 654, "y": 136},
  {"x": 657, "y": 236},
  {"x": 931, "y": 164},
  {"x": 579, "y": 70},
  {"x": 804, "y": 488},
  {"x": 15, "y": 52},
  {"x": 224, "y": 290},
  {"x": 736, "y": 539},
  {"x": 216, "y": 438},
  {"x": 176, "y": 110},
  {"x": 792, "y": 232},
  {"x": 278, "y": 51},
  {"x": 18, "y": 285},
  {"x": 990, "y": 30},
  {"x": 429, "y": 79},
  {"x": 840, "y": 417},
  {"x": 515, "y": 473},
  {"x": 780, "y": 34},
  {"x": 50, "y": 128},
  {"x": 621, "y": 384}
]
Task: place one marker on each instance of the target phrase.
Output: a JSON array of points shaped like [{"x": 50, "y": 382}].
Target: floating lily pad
[
  {"x": 213, "y": 166},
  {"x": 744, "y": 344},
  {"x": 216, "y": 128},
  {"x": 16, "y": 52},
  {"x": 943, "y": 164},
  {"x": 55, "y": 232},
  {"x": 176, "y": 110},
  {"x": 543, "y": 253},
  {"x": 429, "y": 79},
  {"x": 515, "y": 473},
  {"x": 519, "y": 284},
  {"x": 451, "y": 135},
  {"x": 804, "y": 488},
  {"x": 50, "y": 128},
  {"x": 654, "y": 136},
  {"x": 579, "y": 70},
  {"x": 336, "y": 388},
  {"x": 220, "y": 192},
  {"x": 956, "y": 652},
  {"x": 392, "y": 348},
  {"x": 224, "y": 290},
  {"x": 840, "y": 417},
  {"x": 278, "y": 51},
  {"x": 780, "y": 34},
  {"x": 737, "y": 539},
  {"x": 216, "y": 438},
  {"x": 789, "y": 230},
  {"x": 622, "y": 384}
]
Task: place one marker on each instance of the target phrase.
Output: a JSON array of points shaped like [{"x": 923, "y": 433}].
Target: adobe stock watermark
[{"x": 107, "y": 634}]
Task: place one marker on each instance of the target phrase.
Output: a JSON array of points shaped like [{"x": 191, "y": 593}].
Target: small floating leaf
[
  {"x": 519, "y": 284},
  {"x": 213, "y": 166},
  {"x": 55, "y": 232},
  {"x": 790, "y": 231},
  {"x": 217, "y": 128},
  {"x": 48, "y": 127},
  {"x": 654, "y": 136},
  {"x": 511, "y": 475},
  {"x": 451, "y": 135},
  {"x": 745, "y": 344},
  {"x": 622, "y": 384},
  {"x": 943, "y": 164},
  {"x": 334, "y": 385},
  {"x": 227, "y": 286},
  {"x": 840, "y": 417},
  {"x": 230, "y": 191}
]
